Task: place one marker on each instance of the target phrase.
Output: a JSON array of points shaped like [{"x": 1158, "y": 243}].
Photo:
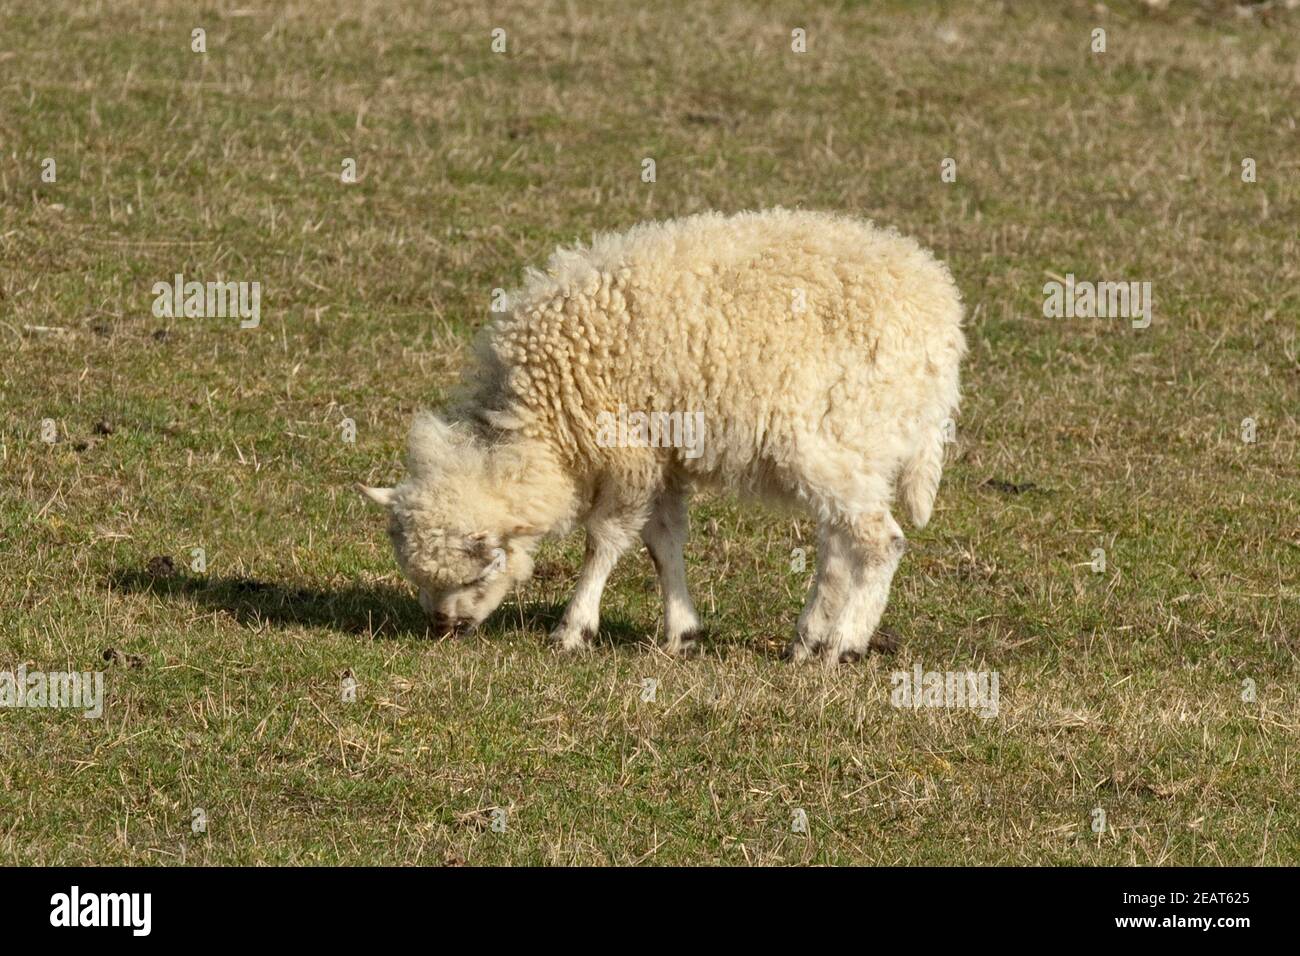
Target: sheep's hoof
[
  {"x": 573, "y": 641},
  {"x": 797, "y": 652},
  {"x": 801, "y": 653},
  {"x": 686, "y": 645}
]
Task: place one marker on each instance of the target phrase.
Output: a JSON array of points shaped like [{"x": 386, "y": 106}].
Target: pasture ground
[{"x": 1125, "y": 691}]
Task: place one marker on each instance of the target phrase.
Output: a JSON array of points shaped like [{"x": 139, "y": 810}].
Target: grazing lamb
[{"x": 798, "y": 356}]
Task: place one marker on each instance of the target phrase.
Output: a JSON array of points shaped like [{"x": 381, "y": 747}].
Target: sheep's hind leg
[
  {"x": 875, "y": 544},
  {"x": 665, "y": 537}
]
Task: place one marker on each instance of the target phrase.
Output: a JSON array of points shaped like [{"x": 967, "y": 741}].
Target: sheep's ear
[
  {"x": 524, "y": 531},
  {"x": 380, "y": 496},
  {"x": 430, "y": 443}
]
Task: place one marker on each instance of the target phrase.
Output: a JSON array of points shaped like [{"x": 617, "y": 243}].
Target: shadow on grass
[{"x": 372, "y": 610}]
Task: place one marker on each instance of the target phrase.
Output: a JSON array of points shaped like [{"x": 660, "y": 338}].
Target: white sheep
[{"x": 801, "y": 357}]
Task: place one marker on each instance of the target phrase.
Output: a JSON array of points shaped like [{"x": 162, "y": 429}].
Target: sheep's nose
[{"x": 455, "y": 626}]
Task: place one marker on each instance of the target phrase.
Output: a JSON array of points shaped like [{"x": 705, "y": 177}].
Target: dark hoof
[
  {"x": 809, "y": 651},
  {"x": 690, "y": 643}
]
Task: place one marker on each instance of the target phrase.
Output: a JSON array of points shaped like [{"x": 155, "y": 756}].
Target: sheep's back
[{"x": 771, "y": 324}]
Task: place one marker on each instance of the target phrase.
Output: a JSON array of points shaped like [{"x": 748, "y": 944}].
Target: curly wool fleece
[{"x": 803, "y": 357}]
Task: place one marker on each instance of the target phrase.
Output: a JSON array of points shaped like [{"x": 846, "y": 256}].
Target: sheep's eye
[{"x": 476, "y": 579}]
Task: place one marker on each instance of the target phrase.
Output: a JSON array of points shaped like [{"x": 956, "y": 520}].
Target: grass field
[{"x": 1125, "y": 691}]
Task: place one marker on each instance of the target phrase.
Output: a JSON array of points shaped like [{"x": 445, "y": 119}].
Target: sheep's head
[{"x": 460, "y": 522}]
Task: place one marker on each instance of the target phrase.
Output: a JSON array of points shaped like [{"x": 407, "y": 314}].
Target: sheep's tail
[{"x": 918, "y": 482}]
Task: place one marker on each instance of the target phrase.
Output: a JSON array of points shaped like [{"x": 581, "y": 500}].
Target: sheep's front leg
[
  {"x": 830, "y": 590},
  {"x": 607, "y": 539},
  {"x": 876, "y": 544},
  {"x": 665, "y": 537},
  {"x": 854, "y": 570}
]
